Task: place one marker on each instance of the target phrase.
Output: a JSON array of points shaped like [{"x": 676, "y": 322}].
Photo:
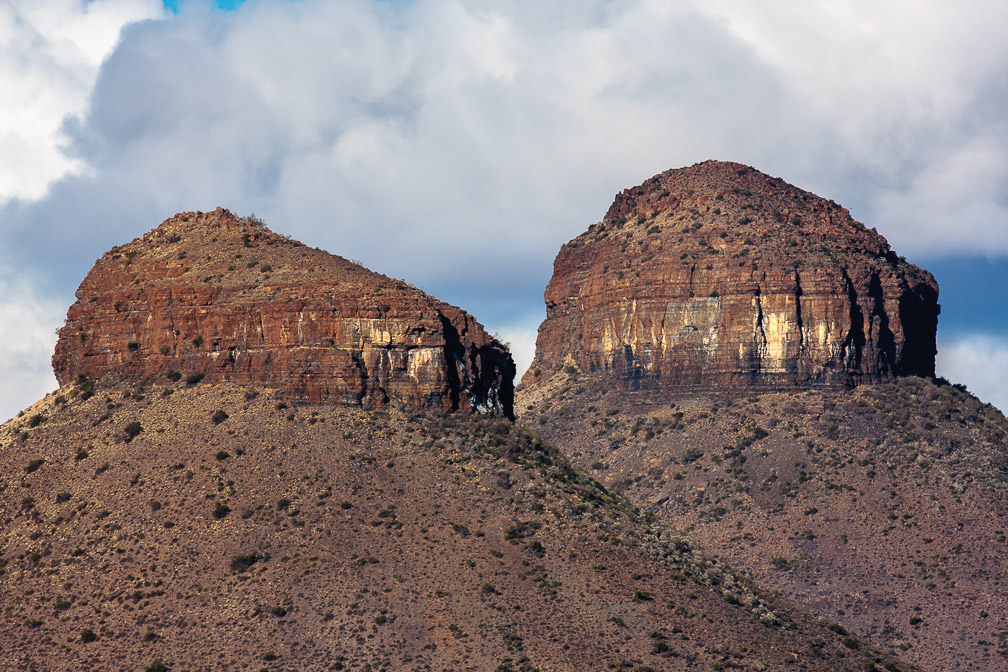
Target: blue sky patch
[
  {"x": 173, "y": 5},
  {"x": 973, "y": 293}
]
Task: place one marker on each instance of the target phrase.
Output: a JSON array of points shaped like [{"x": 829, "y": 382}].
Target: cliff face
[
  {"x": 718, "y": 275},
  {"x": 222, "y": 296}
]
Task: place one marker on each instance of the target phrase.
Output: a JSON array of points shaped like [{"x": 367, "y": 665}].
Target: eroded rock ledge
[
  {"x": 225, "y": 297},
  {"x": 719, "y": 276}
]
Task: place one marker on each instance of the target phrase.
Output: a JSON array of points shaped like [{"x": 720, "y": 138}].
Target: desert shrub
[
  {"x": 221, "y": 510},
  {"x": 36, "y": 420},
  {"x": 193, "y": 378},
  {"x": 132, "y": 430},
  {"x": 34, "y": 466},
  {"x": 85, "y": 387},
  {"x": 518, "y": 531},
  {"x": 88, "y": 635},
  {"x": 173, "y": 376},
  {"x": 241, "y": 563},
  {"x": 219, "y": 416},
  {"x": 641, "y": 596}
]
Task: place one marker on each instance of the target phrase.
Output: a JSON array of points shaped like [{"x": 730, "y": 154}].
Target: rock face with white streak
[
  {"x": 224, "y": 297},
  {"x": 718, "y": 276}
]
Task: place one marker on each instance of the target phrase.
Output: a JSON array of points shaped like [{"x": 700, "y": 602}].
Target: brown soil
[
  {"x": 208, "y": 527},
  {"x": 884, "y": 508}
]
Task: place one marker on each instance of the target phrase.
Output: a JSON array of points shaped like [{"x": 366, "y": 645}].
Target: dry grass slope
[
  {"x": 884, "y": 508},
  {"x": 209, "y": 527}
]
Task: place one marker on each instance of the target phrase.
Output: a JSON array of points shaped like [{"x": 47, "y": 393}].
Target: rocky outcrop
[
  {"x": 719, "y": 276},
  {"x": 225, "y": 297}
]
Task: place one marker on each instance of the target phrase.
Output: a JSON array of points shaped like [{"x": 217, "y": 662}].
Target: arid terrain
[
  {"x": 748, "y": 363},
  {"x": 883, "y": 508},
  {"x": 210, "y": 527},
  {"x": 730, "y": 452},
  {"x": 263, "y": 456}
]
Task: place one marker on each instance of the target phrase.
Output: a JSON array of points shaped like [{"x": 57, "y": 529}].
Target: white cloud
[
  {"x": 28, "y": 338},
  {"x": 49, "y": 57},
  {"x": 980, "y": 362},
  {"x": 961, "y": 198},
  {"x": 459, "y": 145},
  {"x": 520, "y": 337}
]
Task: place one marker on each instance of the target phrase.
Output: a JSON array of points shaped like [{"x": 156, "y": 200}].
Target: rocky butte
[
  {"x": 719, "y": 276},
  {"x": 222, "y": 297},
  {"x": 160, "y": 524}
]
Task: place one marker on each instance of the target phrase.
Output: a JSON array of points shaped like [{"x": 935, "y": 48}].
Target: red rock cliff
[
  {"x": 219, "y": 295},
  {"x": 718, "y": 275}
]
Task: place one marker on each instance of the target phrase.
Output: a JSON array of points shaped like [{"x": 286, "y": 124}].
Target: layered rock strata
[
  {"x": 224, "y": 297},
  {"x": 719, "y": 276}
]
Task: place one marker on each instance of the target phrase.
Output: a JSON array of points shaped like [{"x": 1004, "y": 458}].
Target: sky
[{"x": 458, "y": 145}]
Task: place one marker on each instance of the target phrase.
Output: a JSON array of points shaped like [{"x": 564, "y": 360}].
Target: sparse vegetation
[
  {"x": 132, "y": 430},
  {"x": 241, "y": 563}
]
